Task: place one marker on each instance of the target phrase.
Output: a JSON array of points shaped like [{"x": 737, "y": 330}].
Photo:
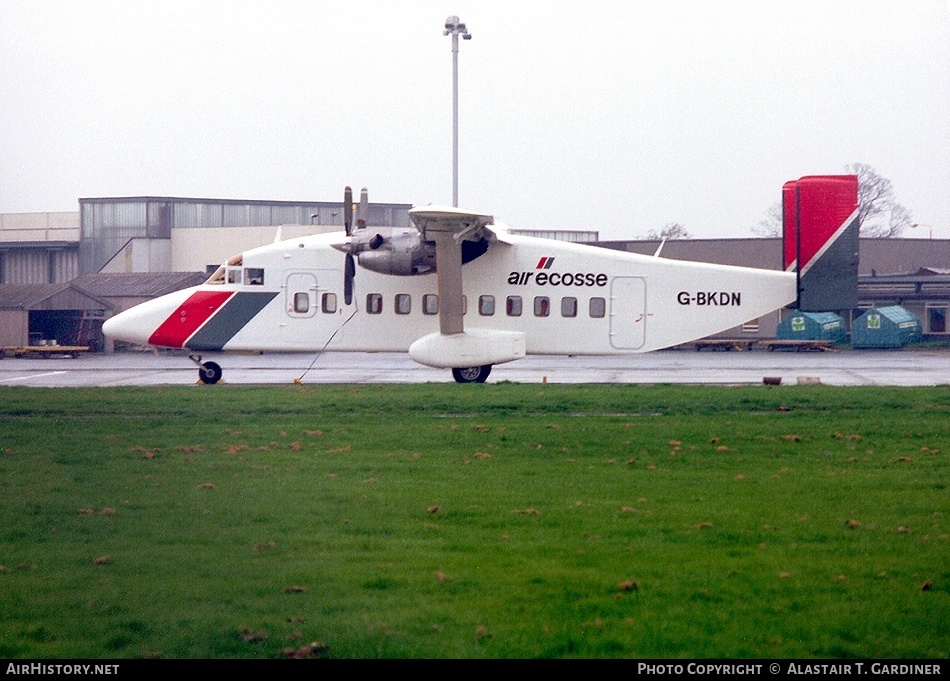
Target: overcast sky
[{"x": 614, "y": 116}]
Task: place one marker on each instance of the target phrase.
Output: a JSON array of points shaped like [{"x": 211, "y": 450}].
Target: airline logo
[{"x": 542, "y": 276}]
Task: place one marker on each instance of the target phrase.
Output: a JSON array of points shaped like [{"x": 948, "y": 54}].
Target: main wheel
[
  {"x": 209, "y": 373},
  {"x": 471, "y": 374}
]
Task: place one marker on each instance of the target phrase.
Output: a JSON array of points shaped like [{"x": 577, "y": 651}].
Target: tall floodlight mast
[{"x": 455, "y": 28}]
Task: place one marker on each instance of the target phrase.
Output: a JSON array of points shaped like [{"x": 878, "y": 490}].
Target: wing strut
[{"x": 448, "y": 255}]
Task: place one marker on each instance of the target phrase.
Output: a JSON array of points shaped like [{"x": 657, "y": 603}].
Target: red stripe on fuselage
[{"x": 188, "y": 318}]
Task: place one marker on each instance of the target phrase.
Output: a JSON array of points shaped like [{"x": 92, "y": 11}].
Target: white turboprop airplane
[{"x": 459, "y": 292}]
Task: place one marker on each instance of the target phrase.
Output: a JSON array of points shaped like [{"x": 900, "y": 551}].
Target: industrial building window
[
  {"x": 598, "y": 308},
  {"x": 374, "y": 303},
  {"x": 486, "y": 306},
  {"x": 542, "y": 306},
  {"x": 403, "y": 303},
  {"x": 937, "y": 318},
  {"x": 430, "y": 304},
  {"x": 329, "y": 303},
  {"x": 569, "y": 306},
  {"x": 513, "y": 306}
]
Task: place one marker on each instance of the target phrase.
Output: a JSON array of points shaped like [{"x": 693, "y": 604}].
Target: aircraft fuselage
[{"x": 565, "y": 298}]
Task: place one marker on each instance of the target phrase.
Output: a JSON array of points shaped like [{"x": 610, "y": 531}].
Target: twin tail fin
[{"x": 820, "y": 240}]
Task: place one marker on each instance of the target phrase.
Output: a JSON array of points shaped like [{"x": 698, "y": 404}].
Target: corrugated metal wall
[
  {"x": 109, "y": 224},
  {"x": 14, "y": 327},
  {"x": 39, "y": 266}
]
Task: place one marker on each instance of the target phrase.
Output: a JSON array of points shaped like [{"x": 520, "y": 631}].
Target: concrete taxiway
[{"x": 846, "y": 367}]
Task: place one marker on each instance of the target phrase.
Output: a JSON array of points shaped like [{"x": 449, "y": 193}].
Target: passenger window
[
  {"x": 302, "y": 302},
  {"x": 598, "y": 307},
  {"x": 254, "y": 276},
  {"x": 513, "y": 306},
  {"x": 430, "y": 304},
  {"x": 542, "y": 306},
  {"x": 374, "y": 303},
  {"x": 569, "y": 306},
  {"x": 403, "y": 303},
  {"x": 486, "y": 306},
  {"x": 329, "y": 303}
]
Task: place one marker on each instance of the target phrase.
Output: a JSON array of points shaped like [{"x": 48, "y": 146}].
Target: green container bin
[
  {"x": 885, "y": 327},
  {"x": 825, "y": 326}
]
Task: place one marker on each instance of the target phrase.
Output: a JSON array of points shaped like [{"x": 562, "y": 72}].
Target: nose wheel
[{"x": 209, "y": 373}]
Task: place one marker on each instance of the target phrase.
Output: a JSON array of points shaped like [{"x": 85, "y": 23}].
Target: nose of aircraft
[
  {"x": 136, "y": 325},
  {"x": 131, "y": 326}
]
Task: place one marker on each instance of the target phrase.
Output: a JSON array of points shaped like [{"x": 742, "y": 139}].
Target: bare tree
[
  {"x": 880, "y": 214},
  {"x": 771, "y": 224},
  {"x": 673, "y": 230}
]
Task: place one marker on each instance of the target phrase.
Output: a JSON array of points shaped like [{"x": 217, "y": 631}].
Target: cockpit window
[
  {"x": 254, "y": 276},
  {"x": 219, "y": 274},
  {"x": 217, "y": 277}
]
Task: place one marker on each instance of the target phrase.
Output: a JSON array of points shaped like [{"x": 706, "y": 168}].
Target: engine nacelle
[{"x": 399, "y": 251}]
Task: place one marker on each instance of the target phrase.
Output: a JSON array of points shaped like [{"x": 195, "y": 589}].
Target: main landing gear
[
  {"x": 471, "y": 374},
  {"x": 209, "y": 373}
]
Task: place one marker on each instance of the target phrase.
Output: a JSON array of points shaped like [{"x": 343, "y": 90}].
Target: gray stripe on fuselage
[{"x": 233, "y": 317}]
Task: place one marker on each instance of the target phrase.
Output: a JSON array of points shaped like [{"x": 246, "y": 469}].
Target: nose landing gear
[{"x": 209, "y": 373}]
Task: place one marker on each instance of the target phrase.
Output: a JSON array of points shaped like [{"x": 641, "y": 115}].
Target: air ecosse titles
[{"x": 558, "y": 279}]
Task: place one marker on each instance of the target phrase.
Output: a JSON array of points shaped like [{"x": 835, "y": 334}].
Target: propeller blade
[
  {"x": 348, "y": 210},
  {"x": 362, "y": 209},
  {"x": 349, "y": 271}
]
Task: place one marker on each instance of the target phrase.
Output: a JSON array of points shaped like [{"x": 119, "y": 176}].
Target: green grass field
[{"x": 480, "y": 521}]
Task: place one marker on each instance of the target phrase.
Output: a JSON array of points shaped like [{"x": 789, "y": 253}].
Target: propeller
[
  {"x": 399, "y": 251},
  {"x": 349, "y": 269}
]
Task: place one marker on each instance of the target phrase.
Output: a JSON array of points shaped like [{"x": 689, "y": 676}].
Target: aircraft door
[
  {"x": 313, "y": 312},
  {"x": 301, "y": 293},
  {"x": 628, "y": 297}
]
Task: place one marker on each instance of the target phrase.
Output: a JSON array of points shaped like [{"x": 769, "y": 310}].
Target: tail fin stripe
[{"x": 831, "y": 240}]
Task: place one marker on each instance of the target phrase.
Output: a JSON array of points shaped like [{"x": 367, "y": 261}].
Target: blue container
[
  {"x": 885, "y": 327},
  {"x": 825, "y": 326}
]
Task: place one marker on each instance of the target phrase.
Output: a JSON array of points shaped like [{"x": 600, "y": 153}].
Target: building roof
[
  {"x": 876, "y": 256},
  {"x": 48, "y": 297},
  {"x": 139, "y": 284}
]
